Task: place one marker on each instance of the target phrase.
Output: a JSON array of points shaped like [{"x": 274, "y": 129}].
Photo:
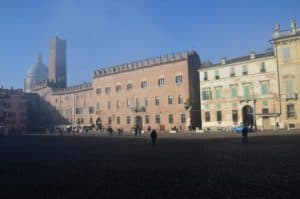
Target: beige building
[{"x": 257, "y": 89}]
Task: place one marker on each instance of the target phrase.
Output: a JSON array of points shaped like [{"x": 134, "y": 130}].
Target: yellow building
[
  {"x": 260, "y": 90},
  {"x": 287, "y": 51}
]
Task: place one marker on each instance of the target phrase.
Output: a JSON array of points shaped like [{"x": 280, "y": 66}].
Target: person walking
[
  {"x": 153, "y": 136},
  {"x": 245, "y": 135}
]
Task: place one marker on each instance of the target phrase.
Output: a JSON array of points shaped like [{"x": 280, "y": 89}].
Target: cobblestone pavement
[{"x": 183, "y": 166}]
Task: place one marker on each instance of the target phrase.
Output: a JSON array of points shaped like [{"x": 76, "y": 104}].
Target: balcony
[{"x": 291, "y": 96}]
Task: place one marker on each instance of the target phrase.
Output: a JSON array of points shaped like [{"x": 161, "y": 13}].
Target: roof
[{"x": 241, "y": 59}]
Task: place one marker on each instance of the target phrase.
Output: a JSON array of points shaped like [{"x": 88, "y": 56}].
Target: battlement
[
  {"x": 41, "y": 85},
  {"x": 144, "y": 63},
  {"x": 73, "y": 89}
]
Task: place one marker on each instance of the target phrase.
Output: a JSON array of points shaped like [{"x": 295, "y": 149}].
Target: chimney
[
  {"x": 252, "y": 55},
  {"x": 223, "y": 60},
  {"x": 276, "y": 30},
  {"x": 293, "y": 26}
]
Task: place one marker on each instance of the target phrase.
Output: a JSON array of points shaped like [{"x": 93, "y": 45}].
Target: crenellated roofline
[{"x": 144, "y": 63}]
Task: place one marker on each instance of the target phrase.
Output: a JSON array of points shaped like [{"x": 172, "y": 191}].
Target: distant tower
[{"x": 57, "y": 69}]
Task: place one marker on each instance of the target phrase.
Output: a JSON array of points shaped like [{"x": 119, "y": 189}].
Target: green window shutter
[{"x": 233, "y": 92}]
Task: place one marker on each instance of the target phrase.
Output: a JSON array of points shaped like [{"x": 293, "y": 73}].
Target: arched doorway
[
  {"x": 247, "y": 115},
  {"x": 139, "y": 123},
  {"x": 99, "y": 123}
]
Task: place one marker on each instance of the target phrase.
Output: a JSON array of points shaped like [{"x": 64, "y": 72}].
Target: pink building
[{"x": 13, "y": 110}]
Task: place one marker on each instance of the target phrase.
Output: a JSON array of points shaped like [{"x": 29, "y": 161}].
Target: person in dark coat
[
  {"x": 153, "y": 136},
  {"x": 245, "y": 135}
]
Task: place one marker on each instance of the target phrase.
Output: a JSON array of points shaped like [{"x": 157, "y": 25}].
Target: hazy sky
[{"x": 101, "y": 33}]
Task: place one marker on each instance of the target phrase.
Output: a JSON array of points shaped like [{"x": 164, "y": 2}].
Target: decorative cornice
[{"x": 144, "y": 63}]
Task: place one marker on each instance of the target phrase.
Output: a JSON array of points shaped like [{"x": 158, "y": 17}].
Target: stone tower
[{"x": 57, "y": 69}]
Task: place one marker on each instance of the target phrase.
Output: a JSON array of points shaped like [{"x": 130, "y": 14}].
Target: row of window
[
  {"x": 79, "y": 110},
  {"x": 207, "y": 93},
  {"x": 290, "y": 113},
  {"x": 232, "y": 72},
  {"x": 148, "y": 118},
  {"x": 234, "y": 115},
  {"x": 144, "y": 84}
]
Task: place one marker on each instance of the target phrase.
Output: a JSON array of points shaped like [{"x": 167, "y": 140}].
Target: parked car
[{"x": 238, "y": 128}]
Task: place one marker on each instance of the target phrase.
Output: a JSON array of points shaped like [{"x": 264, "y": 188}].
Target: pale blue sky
[{"x": 101, "y": 33}]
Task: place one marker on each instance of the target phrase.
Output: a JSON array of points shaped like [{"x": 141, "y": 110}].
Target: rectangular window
[
  {"x": 161, "y": 81},
  {"x": 245, "y": 70},
  {"x": 290, "y": 111},
  {"x": 180, "y": 99},
  {"x": 91, "y": 109},
  {"x": 262, "y": 67},
  {"x": 109, "y": 120},
  {"x": 108, "y": 105},
  {"x": 143, "y": 84},
  {"x": 234, "y": 116},
  {"x": 264, "y": 88},
  {"x": 129, "y": 87},
  {"x": 128, "y": 103},
  {"x": 137, "y": 103},
  {"x": 98, "y": 91},
  {"x": 118, "y": 88},
  {"x": 286, "y": 53},
  {"x": 265, "y": 110},
  {"x": 107, "y": 90},
  {"x": 207, "y": 116},
  {"x": 206, "y": 94},
  {"x": 205, "y": 76},
  {"x": 178, "y": 79},
  {"x": 218, "y": 92},
  {"x": 233, "y": 90},
  {"x": 170, "y": 99},
  {"x": 146, "y": 102},
  {"x": 147, "y": 119},
  {"x": 246, "y": 92},
  {"x": 171, "y": 119},
  {"x": 156, "y": 101},
  {"x": 183, "y": 118},
  {"x": 289, "y": 88},
  {"x": 232, "y": 73},
  {"x": 217, "y": 75},
  {"x": 118, "y": 120},
  {"x": 117, "y": 104},
  {"x": 219, "y": 116},
  {"x": 128, "y": 119},
  {"x": 157, "y": 119},
  {"x": 79, "y": 111}
]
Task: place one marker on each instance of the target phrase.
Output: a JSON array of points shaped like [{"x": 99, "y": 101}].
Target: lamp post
[{"x": 254, "y": 108}]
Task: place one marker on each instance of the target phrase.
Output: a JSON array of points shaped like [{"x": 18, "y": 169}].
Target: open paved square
[{"x": 194, "y": 166}]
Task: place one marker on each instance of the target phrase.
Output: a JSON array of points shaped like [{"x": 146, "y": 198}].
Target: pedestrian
[
  {"x": 153, "y": 136},
  {"x": 245, "y": 135},
  {"x": 110, "y": 130}
]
